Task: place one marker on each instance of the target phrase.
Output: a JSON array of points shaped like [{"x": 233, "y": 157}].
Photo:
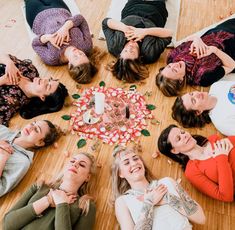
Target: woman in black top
[{"x": 139, "y": 38}]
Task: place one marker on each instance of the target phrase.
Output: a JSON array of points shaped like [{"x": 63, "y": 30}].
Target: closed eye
[
  {"x": 82, "y": 165},
  {"x": 135, "y": 158},
  {"x": 177, "y": 138},
  {"x": 193, "y": 101}
]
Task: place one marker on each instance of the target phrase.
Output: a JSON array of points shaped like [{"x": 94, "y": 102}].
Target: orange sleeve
[
  {"x": 223, "y": 190},
  {"x": 232, "y": 139}
]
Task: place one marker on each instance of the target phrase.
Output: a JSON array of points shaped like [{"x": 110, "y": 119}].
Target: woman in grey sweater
[{"x": 15, "y": 150}]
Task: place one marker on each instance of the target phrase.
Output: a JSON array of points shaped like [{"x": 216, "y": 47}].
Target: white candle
[{"x": 99, "y": 103}]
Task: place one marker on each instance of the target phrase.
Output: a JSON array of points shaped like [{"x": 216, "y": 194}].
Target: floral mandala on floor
[{"x": 123, "y": 120}]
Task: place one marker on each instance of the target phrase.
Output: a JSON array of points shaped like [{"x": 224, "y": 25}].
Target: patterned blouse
[{"x": 12, "y": 98}]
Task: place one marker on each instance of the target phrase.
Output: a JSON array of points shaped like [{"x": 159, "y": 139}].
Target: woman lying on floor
[
  {"x": 16, "y": 150},
  {"x": 21, "y": 89},
  {"x": 139, "y": 38}
]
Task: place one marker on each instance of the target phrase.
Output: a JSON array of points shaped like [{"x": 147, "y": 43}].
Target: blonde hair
[
  {"x": 84, "y": 72},
  {"x": 121, "y": 185},
  {"x": 84, "y": 190}
]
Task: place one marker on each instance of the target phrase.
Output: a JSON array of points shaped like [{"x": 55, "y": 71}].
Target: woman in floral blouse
[{"x": 21, "y": 89}]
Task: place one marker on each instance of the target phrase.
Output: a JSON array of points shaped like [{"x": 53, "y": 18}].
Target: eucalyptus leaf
[
  {"x": 81, "y": 143},
  {"x": 102, "y": 83},
  {"x": 145, "y": 132},
  {"x": 76, "y": 96},
  {"x": 66, "y": 117},
  {"x": 150, "y": 107},
  {"x": 133, "y": 87}
]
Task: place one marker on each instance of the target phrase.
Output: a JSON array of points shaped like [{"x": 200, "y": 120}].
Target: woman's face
[
  {"x": 78, "y": 168},
  {"x": 77, "y": 57},
  {"x": 131, "y": 167},
  {"x": 42, "y": 87},
  {"x": 34, "y": 133},
  {"x": 181, "y": 140},
  {"x": 195, "y": 101},
  {"x": 174, "y": 71},
  {"x": 130, "y": 50}
]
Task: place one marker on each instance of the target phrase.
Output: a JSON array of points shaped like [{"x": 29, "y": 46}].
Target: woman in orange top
[{"x": 209, "y": 164}]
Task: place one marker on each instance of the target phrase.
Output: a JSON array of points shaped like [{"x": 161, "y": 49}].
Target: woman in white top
[
  {"x": 195, "y": 109},
  {"x": 144, "y": 203}
]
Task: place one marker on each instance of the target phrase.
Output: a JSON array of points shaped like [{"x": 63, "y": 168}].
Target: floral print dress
[{"x": 12, "y": 98}]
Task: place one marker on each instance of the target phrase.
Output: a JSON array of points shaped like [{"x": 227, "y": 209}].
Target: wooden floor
[{"x": 194, "y": 15}]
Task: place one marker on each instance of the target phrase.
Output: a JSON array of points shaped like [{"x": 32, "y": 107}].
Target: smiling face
[
  {"x": 78, "y": 169},
  {"x": 77, "y": 57},
  {"x": 130, "y": 50},
  {"x": 174, "y": 71},
  {"x": 181, "y": 140},
  {"x": 131, "y": 166},
  {"x": 35, "y": 133},
  {"x": 196, "y": 101},
  {"x": 42, "y": 87}
]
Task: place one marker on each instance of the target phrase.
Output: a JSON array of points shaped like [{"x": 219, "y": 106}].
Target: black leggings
[{"x": 33, "y": 7}]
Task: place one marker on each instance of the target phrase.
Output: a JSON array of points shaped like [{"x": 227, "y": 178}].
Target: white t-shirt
[
  {"x": 223, "y": 114},
  {"x": 165, "y": 217}
]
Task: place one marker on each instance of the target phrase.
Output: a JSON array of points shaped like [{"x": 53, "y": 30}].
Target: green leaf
[
  {"x": 102, "y": 83},
  {"x": 150, "y": 107},
  {"x": 145, "y": 132},
  {"x": 66, "y": 117},
  {"x": 81, "y": 143},
  {"x": 76, "y": 96},
  {"x": 133, "y": 87}
]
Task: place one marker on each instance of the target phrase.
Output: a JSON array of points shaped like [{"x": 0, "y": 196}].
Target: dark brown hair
[
  {"x": 188, "y": 118},
  {"x": 169, "y": 87},
  {"x": 129, "y": 70},
  {"x": 53, "y": 103},
  {"x": 85, "y": 72},
  {"x": 53, "y": 134},
  {"x": 165, "y": 146}
]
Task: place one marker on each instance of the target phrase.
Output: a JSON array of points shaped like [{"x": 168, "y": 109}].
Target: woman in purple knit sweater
[{"x": 62, "y": 38}]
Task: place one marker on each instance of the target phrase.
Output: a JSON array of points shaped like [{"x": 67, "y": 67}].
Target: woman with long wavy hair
[
  {"x": 142, "y": 202},
  {"x": 61, "y": 204},
  {"x": 138, "y": 39},
  {"x": 196, "y": 109},
  {"x": 208, "y": 163},
  {"x": 62, "y": 38},
  {"x": 200, "y": 60},
  {"x": 22, "y": 90}
]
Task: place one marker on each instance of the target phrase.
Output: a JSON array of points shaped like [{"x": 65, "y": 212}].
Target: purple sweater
[{"x": 48, "y": 22}]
